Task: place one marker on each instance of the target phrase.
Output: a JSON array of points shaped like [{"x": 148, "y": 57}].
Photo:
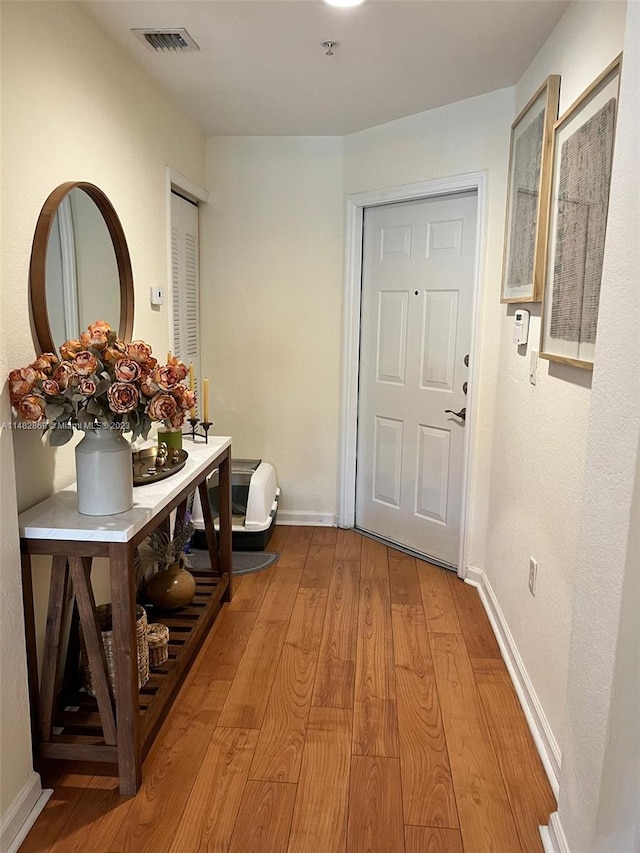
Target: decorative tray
[{"x": 145, "y": 469}]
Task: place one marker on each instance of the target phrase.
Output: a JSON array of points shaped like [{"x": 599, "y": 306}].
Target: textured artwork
[
  {"x": 581, "y": 177},
  {"x": 583, "y": 196},
  {"x": 529, "y": 198},
  {"x": 524, "y": 211}
]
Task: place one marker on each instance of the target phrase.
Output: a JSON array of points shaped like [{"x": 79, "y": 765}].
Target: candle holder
[{"x": 199, "y": 429}]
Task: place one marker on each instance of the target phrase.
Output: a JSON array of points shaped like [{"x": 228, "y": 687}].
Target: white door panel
[{"x": 417, "y": 291}]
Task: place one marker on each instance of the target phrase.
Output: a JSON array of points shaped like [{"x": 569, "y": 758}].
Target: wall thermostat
[
  {"x": 521, "y": 327},
  {"x": 157, "y": 296}
]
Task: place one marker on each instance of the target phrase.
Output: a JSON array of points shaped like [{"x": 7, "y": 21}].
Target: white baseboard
[
  {"x": 553, "y": 838},
  {"x": 22, "y": 813},
  {"x": 297, "y": 518},
  {"x": 543, "y": 737}
]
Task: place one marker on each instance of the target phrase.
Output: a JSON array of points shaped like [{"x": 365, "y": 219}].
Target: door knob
[{"x": 461, "y": 414}]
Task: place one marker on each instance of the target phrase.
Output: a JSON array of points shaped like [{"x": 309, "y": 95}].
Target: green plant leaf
[
  {"x": 53, "y": 411},
  {"x": 59, "y": 436}
]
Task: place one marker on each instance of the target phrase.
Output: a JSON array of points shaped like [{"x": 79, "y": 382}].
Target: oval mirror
[{"x": 80, "y": 267}]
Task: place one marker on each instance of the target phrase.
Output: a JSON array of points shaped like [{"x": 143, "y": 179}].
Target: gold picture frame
[
  {"x": 527, "y": 216},
  {"x": 584, "y": 138}
]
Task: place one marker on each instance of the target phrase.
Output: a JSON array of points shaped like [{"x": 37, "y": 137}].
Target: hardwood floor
[{"x": 351, "y": 699}]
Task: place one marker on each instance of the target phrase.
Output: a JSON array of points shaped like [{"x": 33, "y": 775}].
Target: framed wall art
[
  {"x": 582, "y": 160},
  {"x": 530, "y": 160}
]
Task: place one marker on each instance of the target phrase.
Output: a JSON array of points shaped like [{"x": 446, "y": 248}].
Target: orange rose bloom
[
  {"x": 87, "y": 386},
  {"x": 123, "y": 397},
  {"x": 162, "y": 407},
  {"x": 127, "y": 370},
  {"x": 31, "y": 408},
  {"x": 100, "y": 326},
  {"x": 167, "y": 377},
  {"x": 115, "y": 352},
  {"x": 44, "y": 363},
  {"x": 21, "y": 382},
  {"x": 63, "y": 374},
  {"x": 69, "y": 349},
  {"x": 50, "y": 387},
  {"x": 96, "y": 339},
  {"x": 139, "y": 351}
]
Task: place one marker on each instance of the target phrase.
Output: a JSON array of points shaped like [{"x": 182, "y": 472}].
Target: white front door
[{"x": 417, "y": 298}]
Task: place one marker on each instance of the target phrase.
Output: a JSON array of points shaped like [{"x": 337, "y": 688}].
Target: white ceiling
[{"x": 262, "y": 71}]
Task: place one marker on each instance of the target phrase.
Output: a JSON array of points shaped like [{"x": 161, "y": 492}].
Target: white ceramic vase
[{"x": 104, "y": 473}]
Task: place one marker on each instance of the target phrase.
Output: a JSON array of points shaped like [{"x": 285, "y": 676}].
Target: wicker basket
[
  {"x": 106, "y": 627},
  {"x": 158, "y": 639}
]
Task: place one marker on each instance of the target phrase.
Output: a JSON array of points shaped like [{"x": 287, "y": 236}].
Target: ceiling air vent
[{"x": 163, "y": 40}]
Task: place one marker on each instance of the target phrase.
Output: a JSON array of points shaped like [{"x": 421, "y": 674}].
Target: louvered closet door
[{"x": 185, "y": 296}]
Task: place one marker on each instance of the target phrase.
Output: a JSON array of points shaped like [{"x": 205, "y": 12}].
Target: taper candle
[
  {"x": 168, "y": 356},
  {"x": 205, "y": 405},
  {"x": 192, "y": 412}
]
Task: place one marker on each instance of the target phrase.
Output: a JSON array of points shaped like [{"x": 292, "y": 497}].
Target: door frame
[{"x": 354, "y": 219}]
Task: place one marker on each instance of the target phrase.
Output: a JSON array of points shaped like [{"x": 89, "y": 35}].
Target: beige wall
[
  {"x": 271, "y": 290},
  {"x": 600, "y": 780},
  {"x": 539, "y": 433},
  {"x": 74, "y": 108}
]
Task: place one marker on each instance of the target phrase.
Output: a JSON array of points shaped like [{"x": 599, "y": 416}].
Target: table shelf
[{"x": 119, "y": 725}]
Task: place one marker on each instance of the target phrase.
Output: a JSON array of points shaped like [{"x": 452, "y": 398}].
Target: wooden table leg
[
  {"x": 209, "y": 530},
  {"x": 80, "y": 568},
  {"x": 30, "y": 640},
  {"x": 225, "y": 522},
  {"x": 123, "y": 603},
  {"x": 52, "y": 644}
]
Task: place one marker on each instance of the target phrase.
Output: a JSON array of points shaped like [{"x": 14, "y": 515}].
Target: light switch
[{"x": 157, "y": 296}]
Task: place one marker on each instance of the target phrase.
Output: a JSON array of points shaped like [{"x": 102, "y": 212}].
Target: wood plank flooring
[{"x": 351, "y": 699}]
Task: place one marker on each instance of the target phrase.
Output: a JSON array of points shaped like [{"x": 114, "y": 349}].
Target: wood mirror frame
[{"x": 38, "y": 265}]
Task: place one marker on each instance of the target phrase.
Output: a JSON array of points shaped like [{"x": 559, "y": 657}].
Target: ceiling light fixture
[
  {"x": 329, "y": 46},
  {"x": 344, "y": 4}
]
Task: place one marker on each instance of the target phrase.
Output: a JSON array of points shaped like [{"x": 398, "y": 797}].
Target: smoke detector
[{"x": 176, "y": 39}]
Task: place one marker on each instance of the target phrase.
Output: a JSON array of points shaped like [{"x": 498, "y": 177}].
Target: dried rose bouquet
[{"x": 100, "y": 381}]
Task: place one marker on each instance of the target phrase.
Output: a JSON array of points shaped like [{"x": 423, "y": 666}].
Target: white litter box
[{"x": 254, "y": 505}]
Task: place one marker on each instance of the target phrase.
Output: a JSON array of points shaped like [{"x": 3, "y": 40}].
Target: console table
[{"x": 118, "y": 725}]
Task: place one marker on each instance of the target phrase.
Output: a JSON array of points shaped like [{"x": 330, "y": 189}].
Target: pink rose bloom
[
  {"x": 162, "y": 407},
  {"x": 50, "y": 387},
  {"x": 21, "y": 382},
  {"x": 31, "y": 408},
  {"x": 63, "y": 374},
  {"x": 85, "y": 363},
  {"x": 179, "y": 367},
  {"x": 127, "y": 370},
  {"x": 167, "y": 377},
  {"x": 69, "y": 349},
  {"x": 123, "y": 397},
  {"x": 139, "y": 351},
  {"x": 87, "y": 386},
  {"x": 188, "y": 400},
  {"x": 148, "y": 387},
  {"x": 177, "y": 420}
]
